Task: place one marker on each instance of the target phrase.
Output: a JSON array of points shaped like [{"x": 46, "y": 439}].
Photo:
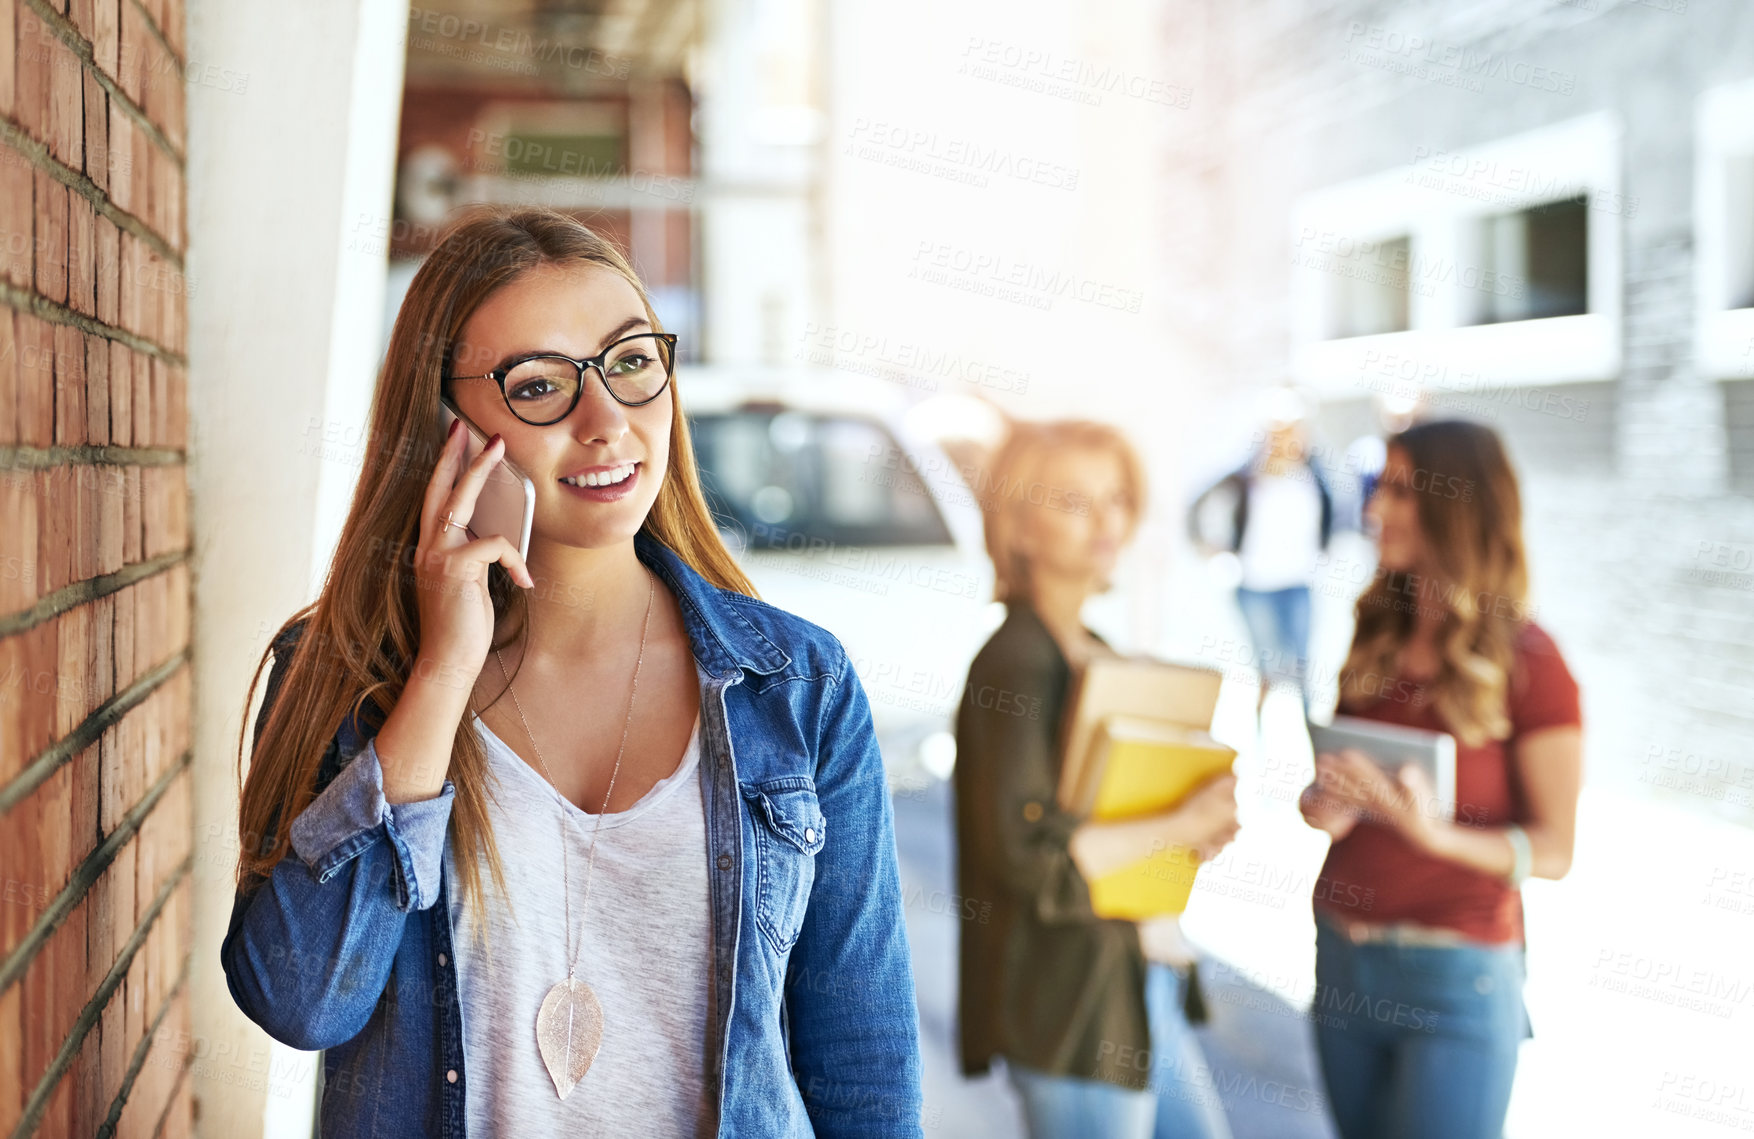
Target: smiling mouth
[{"x": 611, "y": 477}]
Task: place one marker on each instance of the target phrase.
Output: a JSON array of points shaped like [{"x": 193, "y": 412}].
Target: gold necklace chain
[{"x": 566, "y": 885}]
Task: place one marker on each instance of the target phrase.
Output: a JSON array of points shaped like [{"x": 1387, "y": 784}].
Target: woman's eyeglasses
[{"x": 544, "y": 389}]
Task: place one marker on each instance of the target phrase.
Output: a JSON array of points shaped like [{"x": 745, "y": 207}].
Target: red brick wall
[{"x": 95, "y": 837}]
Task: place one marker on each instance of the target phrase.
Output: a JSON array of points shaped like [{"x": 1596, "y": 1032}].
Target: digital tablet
[{"x": 1390, "y": 747}]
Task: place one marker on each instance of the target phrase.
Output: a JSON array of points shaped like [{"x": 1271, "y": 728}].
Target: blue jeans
[
  {"x": 1278, "y": 625},
  {"x": 1417, "y": 1040},
  {"x": 1180, "y": 1103}
]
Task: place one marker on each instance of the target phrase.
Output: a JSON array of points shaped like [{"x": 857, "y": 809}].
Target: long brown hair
[
  {"x": 1012, "y": 477},
  {"x": 362, "y": 633},
  {"x": 1471, "y": 518}
]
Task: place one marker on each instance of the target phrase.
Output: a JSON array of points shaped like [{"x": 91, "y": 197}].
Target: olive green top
[{"x": 1044, "y": 982}]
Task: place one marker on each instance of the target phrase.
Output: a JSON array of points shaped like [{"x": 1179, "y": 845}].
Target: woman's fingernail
[
  {"x": 452, "y": 433},
  {"x": 493, "y": 440}
]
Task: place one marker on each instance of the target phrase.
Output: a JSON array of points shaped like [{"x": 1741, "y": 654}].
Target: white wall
[{"x": 288, "y": 180}]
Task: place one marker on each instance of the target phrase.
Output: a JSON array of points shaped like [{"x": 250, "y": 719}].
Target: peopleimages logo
[
  {"x": 928, "y": 152},
  {"x": 1397, "y": 50}
]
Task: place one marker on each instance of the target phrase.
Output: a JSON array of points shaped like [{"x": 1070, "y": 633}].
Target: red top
[{"x": 1375, "y": 875}]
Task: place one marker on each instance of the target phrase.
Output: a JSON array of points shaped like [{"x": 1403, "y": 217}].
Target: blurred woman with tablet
[{"x": 1418, "y": 1005}]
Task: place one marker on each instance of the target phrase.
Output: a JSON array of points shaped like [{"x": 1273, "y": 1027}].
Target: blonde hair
[
  {"x": 1013, "y": 477},
  {"x": 363, "y": 632}
]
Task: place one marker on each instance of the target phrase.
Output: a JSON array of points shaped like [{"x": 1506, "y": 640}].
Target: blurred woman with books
[
  {"x": 1090, "y": 1014},
  {"x": 1419, "y": 934}
]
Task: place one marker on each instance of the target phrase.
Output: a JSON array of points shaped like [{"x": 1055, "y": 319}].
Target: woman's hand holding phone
[
  {"x": 456, "y": 625},
  {"x": 450, "y": 566}
]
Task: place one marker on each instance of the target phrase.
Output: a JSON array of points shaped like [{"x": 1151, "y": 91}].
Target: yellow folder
[{"x": 1145, "y": 766}]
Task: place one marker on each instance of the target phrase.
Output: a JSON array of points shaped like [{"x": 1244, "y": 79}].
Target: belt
[{"x": 1394, "y": 933}]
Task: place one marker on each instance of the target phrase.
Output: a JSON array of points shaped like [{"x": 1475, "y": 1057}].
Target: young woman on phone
[
  {"x": 693, "y": 925},
  {"x": 1088, "y": 1013},
  {"x": 1419, "y": 914}
]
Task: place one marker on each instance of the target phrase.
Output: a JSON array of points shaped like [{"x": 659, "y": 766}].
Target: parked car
[{"x": 840, "y": 513}]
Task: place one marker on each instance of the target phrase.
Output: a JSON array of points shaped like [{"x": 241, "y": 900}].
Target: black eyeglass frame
[{"x": 599, "y": 362}]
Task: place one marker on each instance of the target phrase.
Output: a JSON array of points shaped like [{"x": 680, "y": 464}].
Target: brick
[
  {"x": 151, "y": 518},
  {"x": 66, "y": 105},
  {"x": 12, "y": 759},
  {"x": 73, "y": 641},
  {"x": 81, "y": 255},
  {"x": 106, "y": 19},
  {"x": 8, "y": 50},
  {"x": 109, "y": 268},
  {"x": 142, "y": 404},
  {"x": 90, "y": 1106},
  {"x": 160, "y": 403},
  {"x": 11, "y": 1057},
  {"x": 128, "y": 313},
  {"x": 158, "y": 77},
  {"x": 97, "y": 132},
  {"x": 123, "y": 640},
  {"x": 17, "y": 217},
  {"x": 121, "y": 144},
  {"x": 112, "y": 1059},
  {"x": 83, "y": 15},
  {"x": 173, "y": 27},
  {"x": 109, "y": 522},
  {"x": 18, "y": 574},
  {"x": 97, "y": 390},
  {"x": 130, "y": 535},
  {"x": 85, "y": 511},
  {"x": 131, "y": 70},
  {"x": 70, "y": 420},
  {"x": 173, "y": 224},
  {"x": 8, "y": 386},
  {"x": 103, "y": 672},
  {"x": 121, "y": 395},
  {"x": 31, "y": 77},
  {"x": 36, "y": 380},
  {"x": 176, "y": 114},
  {"x": 51, "y": 243},
  {"x": 55, "y": 529},
  {"x": 177, "y": 408},
  {"x": 140, "y": 170}
]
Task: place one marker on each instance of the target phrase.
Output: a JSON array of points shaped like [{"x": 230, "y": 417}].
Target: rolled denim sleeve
[
  {"x": 855, "y": 1047},
  {"x": 310, "y": 947},
  {"x": 344, "y": 820}
]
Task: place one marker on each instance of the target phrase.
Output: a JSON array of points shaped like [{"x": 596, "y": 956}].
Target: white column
[{"x": 289, "y": 184}]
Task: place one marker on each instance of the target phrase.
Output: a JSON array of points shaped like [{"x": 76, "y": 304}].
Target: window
[
  {"x": 1369, "y": 294},
  {"x": 1534, "y": 263},
  {"x": 1493, "y": 265},
  {"x": 543, "y": 154},
  {"x": 782, "y": 478},
  {"x": 1723, "y": 232},
  {"x": 1739, "y": 231}
]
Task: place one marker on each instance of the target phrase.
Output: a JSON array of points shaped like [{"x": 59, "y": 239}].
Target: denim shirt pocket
[{"x": 789, "y": 830}]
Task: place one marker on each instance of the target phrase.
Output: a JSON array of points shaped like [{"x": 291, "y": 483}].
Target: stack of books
[{"x": 1135, "y": 743}]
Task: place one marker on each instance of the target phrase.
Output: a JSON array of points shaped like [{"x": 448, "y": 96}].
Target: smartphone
[
  {"x": 1391, "y": 745},
  {"x": 507, "y": 503}
]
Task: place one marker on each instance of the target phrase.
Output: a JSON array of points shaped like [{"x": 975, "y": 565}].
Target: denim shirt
[{"x": 346, "y": 946}]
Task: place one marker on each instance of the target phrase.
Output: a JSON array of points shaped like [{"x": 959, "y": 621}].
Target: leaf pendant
[{"x": 569, "y": 1030}]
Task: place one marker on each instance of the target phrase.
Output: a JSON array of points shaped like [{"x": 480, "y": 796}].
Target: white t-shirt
[
  {"x": 644, "y": 947},
  {"x": 1283, "y": 537}
]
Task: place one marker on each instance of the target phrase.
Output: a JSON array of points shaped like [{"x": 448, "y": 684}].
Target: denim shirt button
[
  {"x": 724, "y": 862},
  {"x": 451, "y": 1075},
  {"x": 441, "y": 961},
  {"x": 809, "y": 834}
]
